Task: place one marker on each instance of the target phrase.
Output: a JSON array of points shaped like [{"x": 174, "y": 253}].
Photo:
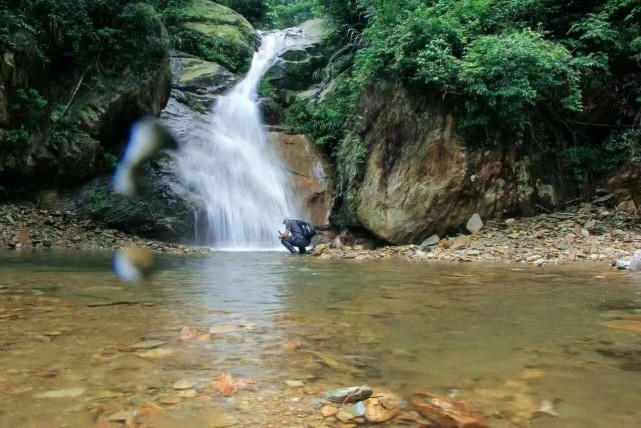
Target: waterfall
[{"x": 242, "y": 181}]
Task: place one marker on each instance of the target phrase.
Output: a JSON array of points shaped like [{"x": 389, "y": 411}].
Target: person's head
[{"x": 286, "y": 219}]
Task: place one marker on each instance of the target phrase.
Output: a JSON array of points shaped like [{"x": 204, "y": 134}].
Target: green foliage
[
  {"x": 27, "y": 99},
  {"x": 111, "y": 161},
  {"x": 267, "y": 89},
  {"x": 352, "y": 159},
  {"x": 505, "y": 77},
  {"x": 324, "y": 122},
  {"x": 287, "y": 13},
  {"x": 525, "y": 71},
  {"x": 97, "y": 197},
  {"x": 16, "y": 138},
  {"x": 224, "y": 51},
  {"x": 253, "y": 10},
  {"x": 71, "y": 32},
  {"x": 192, "y": 102}
]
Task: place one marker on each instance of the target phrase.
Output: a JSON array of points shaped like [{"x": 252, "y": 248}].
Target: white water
[{"x": 241, "y": 179}]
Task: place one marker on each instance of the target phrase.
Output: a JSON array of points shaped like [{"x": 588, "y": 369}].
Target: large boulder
[
  {"x": 199, "y": 76},
  {"x": 165, "y": 209},
  {"x": 227, "y": 37},
  {"x": 310, "y": 172},
  {"x": 296, "y": 69},
  {"x": 422, "y": 177}
]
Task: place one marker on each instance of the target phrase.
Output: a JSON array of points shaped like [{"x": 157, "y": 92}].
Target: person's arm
[{"x": 285, "y": 235}]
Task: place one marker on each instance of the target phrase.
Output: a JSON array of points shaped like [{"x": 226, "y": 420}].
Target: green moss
[
  {"x": 195, "y": 69},
  {"x": 215, "y": 33},
  {"x": 208, "y": 11}
]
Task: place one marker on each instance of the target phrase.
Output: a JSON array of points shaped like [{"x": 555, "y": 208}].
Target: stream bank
[
  {"x": 24, "y": 227},
  {"x": 585, "y": 233}
]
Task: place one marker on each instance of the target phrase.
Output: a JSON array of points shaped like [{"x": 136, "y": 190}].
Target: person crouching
[{"x": 297, "y": 234}]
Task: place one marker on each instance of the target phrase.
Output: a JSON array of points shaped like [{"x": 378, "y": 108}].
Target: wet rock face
[
  {"x": 422, "y": 178},
  {"x": 98, "y": 122},
  {"x": 294, "y": 71},
  {"x": 165, "y": 209},
  {"x": 227, "y": 30},
  {"x": 199, "y": 76},
  {"x": 311, "y": 173}
]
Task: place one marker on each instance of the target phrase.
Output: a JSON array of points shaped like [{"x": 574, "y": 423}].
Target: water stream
[
  {"x": 501, "y": 339},
  {"x": 242, "y": 181}
]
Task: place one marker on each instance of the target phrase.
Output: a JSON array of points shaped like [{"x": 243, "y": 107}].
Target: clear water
[
  {"x": 470, "y": 330},
  {"x": 245, "y": 187}
]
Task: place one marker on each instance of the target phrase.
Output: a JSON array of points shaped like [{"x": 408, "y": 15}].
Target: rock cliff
[{"x": 421, "y": 176}]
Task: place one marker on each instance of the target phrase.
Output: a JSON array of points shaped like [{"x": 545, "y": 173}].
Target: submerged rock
[
  {"x": 446, "y": 412},
  {"x": 382, "y": 407},
  {"x": 349, "y": 395},
  {"x": 62, "y": 393}
]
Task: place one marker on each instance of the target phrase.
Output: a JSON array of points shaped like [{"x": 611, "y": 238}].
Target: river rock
[
  {"x": 461, "y": 242},
  {"x": 296, "y": 69},
  {"x": 62, "y": 393},
  {"x": 627, "y": 207},
  {"x": 96, "y": 123},
  {"x": 349, "y": 395},
  {"x": 446, "y": 412},
  {"x": 199, "y": 76},
  {"x": 432, "y": 241},
  {"x": 474, "y": 224},
  {"x": 382, "y": 407},
  {"x": 183, "y": 384},
  {"x": 148, "y": 344}
]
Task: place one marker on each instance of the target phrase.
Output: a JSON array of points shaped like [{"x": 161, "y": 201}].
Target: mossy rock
[
  {"x": 198, "y": 74},
  {"x": 219, "y": 34}
]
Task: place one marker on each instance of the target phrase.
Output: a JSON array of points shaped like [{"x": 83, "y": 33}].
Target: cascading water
[{"x": 239, "y": 176}]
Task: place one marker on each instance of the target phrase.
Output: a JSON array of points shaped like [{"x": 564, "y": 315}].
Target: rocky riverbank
[
  {"x": 24, "y": 227},
  {"x": 585, "y": 233}
]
